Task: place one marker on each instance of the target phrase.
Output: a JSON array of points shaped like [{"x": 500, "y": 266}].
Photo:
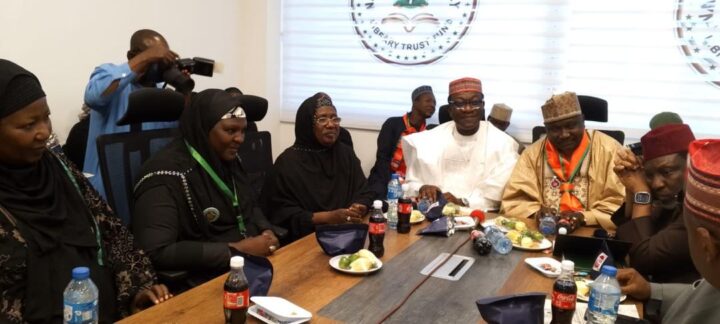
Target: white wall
[{"x": 62, "y": 41}]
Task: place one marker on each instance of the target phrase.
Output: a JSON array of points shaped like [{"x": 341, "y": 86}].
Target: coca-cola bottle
[
  {"x": 237, "y": 293},
  {"x": 564, "y": 295},
  {"x": 571, "y": 223},
  {"x": 376, "y": 232},
  {"x": 404, "y": 211}
]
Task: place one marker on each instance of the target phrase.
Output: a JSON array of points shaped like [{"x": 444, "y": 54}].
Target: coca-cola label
[
  {"x": 599, "y": 261},
  {"x": 405, "y": 208},
  {"x": 237, "y": 300},
  {"x": 563, "y": 300},
  {"x": 376, "y": 228}
]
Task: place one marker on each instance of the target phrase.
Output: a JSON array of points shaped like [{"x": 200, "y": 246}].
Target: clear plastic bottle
[
  {"x": 500, "y": 243},
  {"x": 547, "y": 225},
  {"x": 80, "y": 298},
  {"x": 393, "y": 194},
  {"x": 604, "y": 297}
]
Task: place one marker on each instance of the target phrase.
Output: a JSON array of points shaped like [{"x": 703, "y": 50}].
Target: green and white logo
[
  {"x": 410, "y": 32},
  {"x": 697, "y": 29}
]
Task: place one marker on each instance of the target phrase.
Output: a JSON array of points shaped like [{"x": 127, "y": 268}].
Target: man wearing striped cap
[
  {"x": 468, "y": 159},
  {"x": 699, "y": 302}
]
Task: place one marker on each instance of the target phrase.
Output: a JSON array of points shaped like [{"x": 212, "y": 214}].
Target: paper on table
[{"x": 580, "y": 308}]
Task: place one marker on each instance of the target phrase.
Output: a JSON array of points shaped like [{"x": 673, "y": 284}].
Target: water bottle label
[
  {"x": 81, "y": 313},
  {"x": 376, "y": 228},
  {"x": 603, "y": 303},
  {"x": 563, "y": 301},
  {"x": 237, "y": 300}
]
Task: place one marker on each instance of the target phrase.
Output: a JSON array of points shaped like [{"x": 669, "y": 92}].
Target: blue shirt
[{"x": 107, "y": 110}]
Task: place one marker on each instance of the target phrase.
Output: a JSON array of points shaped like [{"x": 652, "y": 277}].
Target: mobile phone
[{"x": 636, "y": 148}]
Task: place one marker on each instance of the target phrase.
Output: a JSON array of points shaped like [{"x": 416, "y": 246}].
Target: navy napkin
[
  {"x": 258, "y": 271},
  {"x": 442, "y": 226},
  {"x": 527, "y": 308},
  {"x": 435, "y": 210},
  {"x": 341, "y": 239}
]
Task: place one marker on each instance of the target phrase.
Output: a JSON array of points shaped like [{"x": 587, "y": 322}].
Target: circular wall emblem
[
  {"x": 411, "y": 32},
  {"x": 699, "y": 36}
]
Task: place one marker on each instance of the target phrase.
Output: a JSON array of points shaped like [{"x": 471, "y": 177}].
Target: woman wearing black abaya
[
  {"x": 52, "y": 220},
  {"x": 318, "y": 180},
  {"x": 193, "y": 201}
]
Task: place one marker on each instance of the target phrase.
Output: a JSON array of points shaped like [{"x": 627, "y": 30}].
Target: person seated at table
[
  {"x": 500, "y": 117},
  {"x": 193, "y": 202},
  {"x": 699, "y": 302},
  {"x": 52, "y": 220},
  {"x": 317, "y": 180},
  {"x": 664, "y": 118},
  {"x": 651, "y": 217},
  {"x": 389, "y": 157},
  {"x": 468, "y": 159},
  {"x": 569, "y": 171}
]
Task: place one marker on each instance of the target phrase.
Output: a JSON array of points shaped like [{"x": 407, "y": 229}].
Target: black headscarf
[
  {"x": 50, "y": 214},
  {"x": 309, "y": 177},
  {"x": 205, "y": 110}
]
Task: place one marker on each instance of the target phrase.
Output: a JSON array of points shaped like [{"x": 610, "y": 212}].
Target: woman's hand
[
  {"x": 257, "y": 245},
  {"x": 149, "y": 297},
  {"x": 359, "y": 208},
  {"x": 337, "y": 216},
  {"x": 274, "y": 242}
]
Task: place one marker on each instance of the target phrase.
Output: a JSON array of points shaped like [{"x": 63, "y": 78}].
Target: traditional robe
[
  {"x": 474, "y": 167},
  {"x": 681, "y": 303},
  {"x": 533, "y": 183}
]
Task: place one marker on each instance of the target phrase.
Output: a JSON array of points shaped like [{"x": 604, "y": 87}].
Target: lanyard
[
  {"x": 98, "y": 237},
  {"x": 219, "y": 183}
]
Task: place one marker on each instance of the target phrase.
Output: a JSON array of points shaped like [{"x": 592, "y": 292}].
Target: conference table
[{"x": 302, "y": 275}]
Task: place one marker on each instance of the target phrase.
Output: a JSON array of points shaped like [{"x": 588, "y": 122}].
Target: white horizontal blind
[{"x": 523, "y": 51}]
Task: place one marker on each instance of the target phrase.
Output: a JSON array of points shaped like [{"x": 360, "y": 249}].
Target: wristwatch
[{"x": 642, "y": 198}]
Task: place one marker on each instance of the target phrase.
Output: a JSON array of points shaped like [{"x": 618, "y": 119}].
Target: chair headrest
[
  {"x": 153, "y": 105},
  {"x": 594, "y": 108},
  {"x": 255, "y": 107},
  {"x": 444, "y": 114}
]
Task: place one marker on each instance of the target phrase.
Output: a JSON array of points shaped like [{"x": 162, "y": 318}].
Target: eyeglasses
[
  {"x": 325, "y": 120},
  {"x": 236, "y": 112},
  {"x": 466, "y": 105}
]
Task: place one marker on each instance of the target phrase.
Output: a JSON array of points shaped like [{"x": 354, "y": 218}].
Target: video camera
[{"x": 196, "y": 65}]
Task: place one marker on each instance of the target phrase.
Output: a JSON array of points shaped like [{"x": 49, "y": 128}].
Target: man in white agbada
[{"x": 468, "y": 160}]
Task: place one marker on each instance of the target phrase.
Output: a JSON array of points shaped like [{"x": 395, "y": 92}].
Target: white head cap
[
  {"x": 377, "y": 204},
  {"x": 237, "y": 262}
]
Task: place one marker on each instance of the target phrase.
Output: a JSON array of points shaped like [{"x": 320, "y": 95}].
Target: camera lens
[{"x": 178, "y": 80}]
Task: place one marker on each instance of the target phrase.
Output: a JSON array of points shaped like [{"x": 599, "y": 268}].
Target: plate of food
[
  {"x": 583, "y": 289},
  {"x": 528, "y": 240},
  {"x": 416, "y": 217},
  {"x": 464, "y": 222},
  {"x": 547, "y": 266},
  {"x": 506, "y": 224},
  {"x": 273, "y": 310},
  {"x": 361, "y": 262}
]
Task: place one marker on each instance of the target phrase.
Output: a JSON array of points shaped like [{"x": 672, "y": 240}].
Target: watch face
[{"x": 642, "y": 198}]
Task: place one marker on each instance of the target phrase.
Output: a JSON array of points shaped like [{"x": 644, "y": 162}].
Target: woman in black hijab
[
  {"x": 193, "y": 202},
  {"x": 52, "y": 220},
  {"x": 318, "y": 180}
]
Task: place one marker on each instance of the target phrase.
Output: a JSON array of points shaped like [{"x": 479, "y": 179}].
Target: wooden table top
[{"x": 303, "y": 276}]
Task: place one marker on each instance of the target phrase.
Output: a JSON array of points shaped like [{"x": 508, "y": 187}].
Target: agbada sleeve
[
  {"x": 522, "y": 196},
  {"x": 607, "y": 193}
]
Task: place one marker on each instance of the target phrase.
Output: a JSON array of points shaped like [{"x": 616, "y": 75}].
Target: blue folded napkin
[{"x": 342, "y": 238}]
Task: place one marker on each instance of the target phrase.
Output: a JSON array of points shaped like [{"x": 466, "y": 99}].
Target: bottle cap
[
  {"x": 394, "y": 176},
  {"x": 609, "y": 270},
  {"x": 377, "y": 204},
  {"x": 562, "y": 230},
  {"x": 567, "y": 265},
  {"x": 237, "y": 262},
  {"x": 80, "y": 273}
]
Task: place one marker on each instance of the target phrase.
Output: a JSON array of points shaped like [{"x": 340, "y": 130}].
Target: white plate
[
  {"x": 537, "y": 264},
  {"x": 253, "y": 310},
  {"x": 419, "y": 220},
  {"x": 544, "y": 244},
  {"x": 464, "y": 222},
  {"x": 334, "y": 262},
  {"x": 491, "y": 222},
  {"x": 585, "y": 298}
]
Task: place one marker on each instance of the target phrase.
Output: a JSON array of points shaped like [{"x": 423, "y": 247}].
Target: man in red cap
[
  {"x": 651, "y": 217},
  {"x": 468, "y": 160},
  {"x": 699, "y": 302}
]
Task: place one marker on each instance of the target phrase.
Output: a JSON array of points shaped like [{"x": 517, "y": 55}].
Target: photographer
[{"x": 110, "y": 86}]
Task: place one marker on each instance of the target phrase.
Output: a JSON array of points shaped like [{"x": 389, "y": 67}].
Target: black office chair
[
  {"x": 121, "y": 155},
  {"x": 593, "y": 109},
  {"x": 256, "y": 156},
  {"x": 444, "y": 114}
]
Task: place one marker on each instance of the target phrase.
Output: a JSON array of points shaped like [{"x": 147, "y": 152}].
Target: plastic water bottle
[
  {"x": 604, "y": 297},
  {"x": 393, "y": 194},
  {"x": 500, "y": 243},
  {"x": 547, "y": 225},
  {"x": 80, "y": 298}
]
